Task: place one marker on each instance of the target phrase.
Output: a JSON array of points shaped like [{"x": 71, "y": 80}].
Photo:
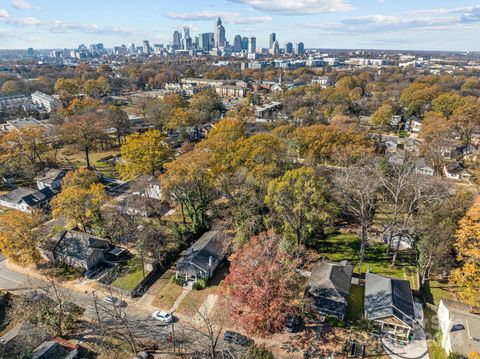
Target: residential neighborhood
[{"x": 233, "y": 196}]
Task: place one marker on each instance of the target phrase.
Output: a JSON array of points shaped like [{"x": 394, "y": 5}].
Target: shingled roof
[
  {"x": 386, "y": 297},
  {"x": 329, "y": 287}
]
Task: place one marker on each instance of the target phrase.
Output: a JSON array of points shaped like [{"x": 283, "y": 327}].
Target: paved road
[{"x": 17, "y": 282}]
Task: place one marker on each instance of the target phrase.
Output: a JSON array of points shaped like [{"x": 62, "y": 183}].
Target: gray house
[
  {"x": 203, "y": 257},
  {"x": 328, "y": 289},
  {"x": 27, "y": 199},
  {"x": 79, "y": 249},
  {"x": 389, "y": 303},
  {"x": 50, "y": 178}
]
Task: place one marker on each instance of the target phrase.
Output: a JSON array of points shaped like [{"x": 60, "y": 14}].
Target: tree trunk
[
  {"x": 87, "y": 156},
  {"x": 397, "y": 248},
  {"x": 363, "y": 244}
]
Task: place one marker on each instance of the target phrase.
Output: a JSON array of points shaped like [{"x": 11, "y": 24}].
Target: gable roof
[
  {"x": 330, "y": 284},
  {"x": 30, "y": 196},
  {"x": 212, "y": 245},
  {"x": 50, "y": 175},
  {"x": 80, "y": 245},
  {"x": 385, "y": 297}
]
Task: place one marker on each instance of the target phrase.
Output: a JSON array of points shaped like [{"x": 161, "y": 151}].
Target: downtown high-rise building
[
  {"x": 252, "y": 45},
  {"x": 146, "y": 47},
  {"x": 237, "y": 43},
  {"x": 273, "y": 38},
  {"x": 288, "y": 48},
  {"x": 220, "y": 40},
  {"x": 245, "y": 43},
  {"x": 275, "y": 50},
  {"x": 206, "y": 41},
  {"x": 299, "y": 48},
  {"x": 177, "y": 40}
]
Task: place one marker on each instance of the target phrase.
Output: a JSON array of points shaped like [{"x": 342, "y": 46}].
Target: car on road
[
  {"x": 293, "y": 323},
  {"x": 237, "y": 338},
  {"x": 162, "y": 316},
  {"x": 115, "y": 301}
]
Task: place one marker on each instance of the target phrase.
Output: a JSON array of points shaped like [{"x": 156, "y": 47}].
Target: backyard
[{"x": 339, "y": 246}]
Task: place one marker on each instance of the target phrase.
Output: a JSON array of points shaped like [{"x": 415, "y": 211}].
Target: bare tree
[{"x": 356, "y": 188}]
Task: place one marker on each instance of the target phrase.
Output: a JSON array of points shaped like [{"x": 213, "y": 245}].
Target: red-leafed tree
[{"x": 262, "y": 286}]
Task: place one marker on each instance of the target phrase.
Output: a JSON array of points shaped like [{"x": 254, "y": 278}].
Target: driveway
[{"x": 417, "y": 349}]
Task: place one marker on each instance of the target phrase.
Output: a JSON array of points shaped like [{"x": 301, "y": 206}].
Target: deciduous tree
[
  {"x": 262, "y": 286},
  {"x": 144, "y": 153},
  {"x": 300, "y": 205}
]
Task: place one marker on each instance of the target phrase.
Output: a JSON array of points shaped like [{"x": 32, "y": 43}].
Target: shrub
[
  {"x": 178, "y": 281},
  {"x": 200, "y": 284},
  {"x": 257, "y": 353}
]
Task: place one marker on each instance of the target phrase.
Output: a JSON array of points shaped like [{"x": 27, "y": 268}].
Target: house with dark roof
[
  {"x": 389, "y": 304},
  {"x": 460, "y": 325},
  {"x": 27, "y": 199},
  {"x": 328, "y": 289},
  {"x": 203, "y": 257},
  {"x": 50, "y": 178},
  {"x": 21, "y": 338},
  {"x": 57, "y": 348},
  {"x": 456, "y": 171},
  {"x": 80, "y": 250}
]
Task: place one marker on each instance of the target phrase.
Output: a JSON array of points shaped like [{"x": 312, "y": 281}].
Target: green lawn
[
  {"x": 355, "y": 303},
  {"x": 338, "y": 247},
  {"x": 431, "y": 325},
  {"x": 133, "y": 276},
  {"x": 441, "y": 291}
]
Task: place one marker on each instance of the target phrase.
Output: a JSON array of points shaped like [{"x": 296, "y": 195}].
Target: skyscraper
[
  {"x": 245, "y": 43},
  {"x": 288, "y": 48},
  {"x": 146, "y": 47},
  {"x": 219, "y": 34},
  {"x": 205, "y": 41},
  {"x": 299, "y": 48},
  {"x": 237, "y": 43},
  {"x": 186, "y": 32},
  {"x": 275, "y": 50},
  {"x": 133, "y": 49},
  {"x": 252, "y": 45},
  {"x": 273, "y": 38},
  {"x": 177, "y": 40}
]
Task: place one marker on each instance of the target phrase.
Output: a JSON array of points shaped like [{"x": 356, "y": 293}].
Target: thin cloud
[
  {"x": 4, "y": 13},
  {"x": 228, "y": 17},
  {"x": 298, "y": 7},
  {"x": 433, "y": 19},
  {"x": 21, "y": 4}
]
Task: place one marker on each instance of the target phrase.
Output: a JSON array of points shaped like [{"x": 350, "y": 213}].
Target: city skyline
[{"x": 373, "y": 24}]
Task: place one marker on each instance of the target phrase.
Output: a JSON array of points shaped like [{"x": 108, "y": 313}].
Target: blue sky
[{"x": 384, "y": 24}]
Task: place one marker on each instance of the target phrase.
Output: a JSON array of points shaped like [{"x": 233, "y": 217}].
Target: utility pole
[
  {"x": 173, "y": 332},
  {"x": 96, "y": 306}
]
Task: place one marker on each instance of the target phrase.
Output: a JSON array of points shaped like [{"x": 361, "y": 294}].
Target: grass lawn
[
  {"x": 355, "y": 303},
  {"x": 196, "y": 298},
  {"x": 79, "y": 157},
  {"x": 338, "y": 247},
  {"x": 133, "y": 277},
  {"x": 441, "y": 291},
  {"x": 431, "y": 325},
  {"x": 166, "y": 295}
]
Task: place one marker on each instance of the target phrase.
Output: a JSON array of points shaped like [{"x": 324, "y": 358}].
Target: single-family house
[
  {"x": 147, "y": 186},
  {"x": 79, "y": 249},
  {"x": 328, "y": 289},
  {"x": 23, "y": 337},
  {"x": 424, "y": 166},
  {"x": 460, "y": 326},
  {"x": 389, "y": 304},
  {"x": 203, "y": 257},
  {"x": 456, "y": 171},
  {"x": 50, "y": 178},
  {"x": 415, "y": 124},
  {"x": 27, "y": 199},
  {"x": 57, "y": 348}
]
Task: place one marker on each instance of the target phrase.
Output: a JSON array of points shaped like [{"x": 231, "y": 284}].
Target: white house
[
  {"x": 50, "y": 178},
  {"x": 460, "y": 325},
  {"x": 415, "y": 124},
  {"x": 424, "y": 167},
  {"x": 27, "y": 199},
  {"x": 456, "y": 171}
]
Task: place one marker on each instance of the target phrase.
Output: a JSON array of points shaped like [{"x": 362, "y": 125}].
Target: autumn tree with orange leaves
[{"x": 262, "y": 286}]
